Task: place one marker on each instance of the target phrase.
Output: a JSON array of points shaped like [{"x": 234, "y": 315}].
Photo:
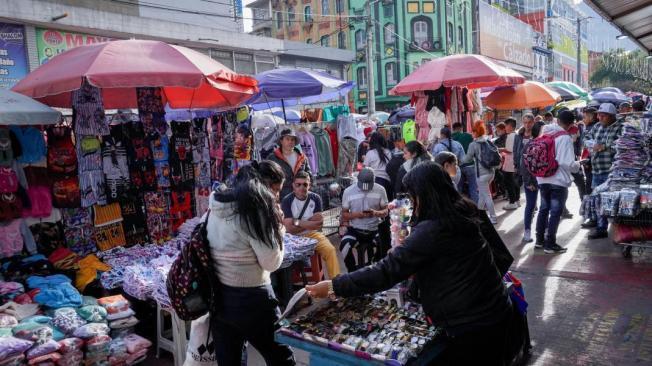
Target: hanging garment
[
  {"x": 223, "y": 167},
  {"x": 347, "y": 157},
  {"x": 323, "y": 147},
  {"x": 40, "y": 198},
  {"x": 409, "y": 131},
  {"x": 160, "y": 152},
  {"x": 93, "y": 190},
  {"x": 307, "y": 142},
  {"x": 66, "y": 193},
  {"x": 346, "y": 127},
  {"x": 437, "y": 121},
  {"x": 265, "y": 139},
  {"x": 332, "y": 134},
  {"x": 88, "y": 111},
  {"x": 107, "y": 223},
  {"x": 133, "y": 219},
  {"x": 61, "y": 156},
  {"x": 78, "y": 230},
  {"x": 32, "y": 144},
  {"x": 180, "y": 209},
  {"x": 201, "y": 200},
  {"x": 114, "y": 164},
  {"x": 15, "y": 236},
  {"x": 181, "y": 156},
  {"x": 48, "y": 237},
  {"x": 7, "y": 147},
  {"x": 10, "y": 206},
  {"x": 89, "y": 153},
  {"x": 141, "y": 161},
  {"x": 158, "y": 219},
  {"x": 151, "y": 110},
  {"x": 201, "y": 150}
]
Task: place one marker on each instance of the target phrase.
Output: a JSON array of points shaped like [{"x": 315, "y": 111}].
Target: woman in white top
[{"x": 377, "y": 158}]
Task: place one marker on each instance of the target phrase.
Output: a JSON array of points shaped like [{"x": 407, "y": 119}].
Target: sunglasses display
[{"x": 370, "y": 327}]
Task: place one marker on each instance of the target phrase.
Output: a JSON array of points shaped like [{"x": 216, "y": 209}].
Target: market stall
[
  {"x": 626, "y": 197},
  {"x": 530, "y": 94}
]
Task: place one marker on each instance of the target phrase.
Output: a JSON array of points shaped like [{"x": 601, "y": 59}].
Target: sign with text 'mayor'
[{"x": 50, "y": 42}]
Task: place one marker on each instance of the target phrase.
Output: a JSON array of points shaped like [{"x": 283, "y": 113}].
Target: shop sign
[
  {"x": 13, "y": 57},
  {"x": 504, "y": 37},
  {"x": 50, "y": 42}
]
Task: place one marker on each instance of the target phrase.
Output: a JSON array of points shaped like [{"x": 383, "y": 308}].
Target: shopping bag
[{"x": 201, "y": 349}]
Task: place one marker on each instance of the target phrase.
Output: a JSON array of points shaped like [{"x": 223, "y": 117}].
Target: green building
[{"x": 407, "y": 34}]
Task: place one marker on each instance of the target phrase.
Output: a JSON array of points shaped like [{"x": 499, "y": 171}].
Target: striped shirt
[{"x": 601, "y": 161}]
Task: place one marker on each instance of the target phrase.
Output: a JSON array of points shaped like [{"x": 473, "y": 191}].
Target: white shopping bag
[{"x": 201, "y": 349}]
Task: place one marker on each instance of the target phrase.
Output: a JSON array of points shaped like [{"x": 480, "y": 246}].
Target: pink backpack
[
  {"x": 539, "y": 155},
  {"x": 8, "y": 180},
  {"x": 41, "y": 200}
]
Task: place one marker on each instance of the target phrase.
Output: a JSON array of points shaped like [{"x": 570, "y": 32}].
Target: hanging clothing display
[
  {"x": 15, "y": 236},
  {"x": 61, "y": 155},
  {"x": 158, "y": 218},
  {"x": 151, "y": 110},
  {"x": 48, "y": 237},
  {"x": 114, "y": 163},
  {"x": 181, "y": 157},
  {"x": 160, "y": 151},
  {"x": 133, "y": 219},
  {"x": 201, "y": 153},
  {"x": 88, "y": 111},
  {"x": 437, "y": 121},
  {"x": 201, "y": 200},
  {"x": 242, "y": 148},
  {"x": 107, "y": 223},
  {"x": 78, "y": 230},
  {"x": 332, "y": 134},
  {"x": 323, "y": 147},
  {"x": 307, "y": 142},
  {"x": 347, "y": 159},
  {"x": 180, "y": 208},
  {"x": 142, "y": 174},
  {"x": 93, "y": 190}
]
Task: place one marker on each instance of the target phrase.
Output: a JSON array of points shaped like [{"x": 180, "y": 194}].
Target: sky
[{"x": 602, "y": 35}]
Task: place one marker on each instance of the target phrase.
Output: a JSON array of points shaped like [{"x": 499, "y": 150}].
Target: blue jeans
[
  {"x": 553, "y": 201},
  {"x": 530, "y": 204},
  {"x": 469, "y": 176},
  {"x": 598, "y": 179}
]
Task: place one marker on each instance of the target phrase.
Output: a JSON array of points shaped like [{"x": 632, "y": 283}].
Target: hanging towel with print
[
  {"x": 160, "y": 151},
  {"x": 141, "y": 161},
  {"x": 158, "y": 218},
  {"x": 151, "y": 110},
  {"x": 181, "y": 157},
  {"x": 114, "y": 164},
  {"x": 107, "y": 221},
  {"x": 88, "y": 111},
  {"x": 133, "y": 223},
  {"x": 78, "y": 230},
  {"x": 201, "y": 153}
]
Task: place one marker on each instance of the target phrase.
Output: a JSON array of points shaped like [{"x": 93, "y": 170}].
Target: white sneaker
[
  {"x": 510, "y": 206},
  {"x": 493, "y": 220}
]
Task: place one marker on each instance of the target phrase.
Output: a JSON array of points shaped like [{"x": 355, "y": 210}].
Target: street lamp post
[{"x": 578, "y": 77}]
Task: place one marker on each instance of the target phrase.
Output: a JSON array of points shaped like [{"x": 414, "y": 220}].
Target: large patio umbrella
[
  {"x": 189, "y": 79},
  {"x": 564, "y": 93},
  {"x": 286, "y": 87},
  {"x": 608, "y": 96},
  {"x": 17, "y": 109},
  {"x": 530, "y": 94},
  {"x": 569, "y": 86},
  {"x": 472, "y": 71}
]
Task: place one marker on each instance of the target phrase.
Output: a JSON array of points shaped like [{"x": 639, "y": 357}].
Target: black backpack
[{"x": 489, "y": 155}]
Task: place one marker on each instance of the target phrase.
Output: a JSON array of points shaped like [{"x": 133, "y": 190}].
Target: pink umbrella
[
  {"x": 189, "y": 79},
  {"x": 472, "y": 71}
]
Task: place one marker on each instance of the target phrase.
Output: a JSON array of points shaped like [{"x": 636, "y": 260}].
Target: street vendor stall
[{"x": 530, "y": 94}]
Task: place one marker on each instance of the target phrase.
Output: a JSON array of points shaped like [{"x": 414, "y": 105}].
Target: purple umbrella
[
  {"x": 285, "y": 87},
  {"x": 608, "y": 96}
]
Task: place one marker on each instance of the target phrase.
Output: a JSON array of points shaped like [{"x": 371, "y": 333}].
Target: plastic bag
[{"x": 200, "y": 340}]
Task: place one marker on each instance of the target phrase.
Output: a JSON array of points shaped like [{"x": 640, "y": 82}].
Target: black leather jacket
[{"x": 459, "y": 284}]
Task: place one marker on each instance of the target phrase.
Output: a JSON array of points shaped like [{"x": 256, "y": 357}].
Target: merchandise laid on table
[{"x": 626, "y": 197}]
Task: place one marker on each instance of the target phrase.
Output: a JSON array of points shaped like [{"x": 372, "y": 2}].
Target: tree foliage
[{"x": 624, "y": 70}]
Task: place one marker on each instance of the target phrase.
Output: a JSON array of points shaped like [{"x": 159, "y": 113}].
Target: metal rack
[{"x": 644, "y": 219}]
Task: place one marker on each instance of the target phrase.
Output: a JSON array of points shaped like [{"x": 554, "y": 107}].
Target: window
[
  {"x": 360, "y": 39},
  {"x": 339, "y": 6},
  {"x": 460, "y": 37},
  {"x": 279, "y": 20},
  {"x": 325, "y": 7},
  {"x": 391, "y": 73},
  {"x": 341, "y": 40},
  {"x": 223, "y": 57},
  {"x": 412, "y": 7},
  {"x": 390, "y": 37},
  {"x": 450, "y": 34},
  {"x": 362, "y": 77},
  {"x": 420, "y": 32},
  {"x": 325, "y": 41},
  {"x": 388, "y": 10},
  {"x": 290, "y": 15},
  {"x": 429, "y": 7},
  {"x": 307, "y": 13},
  {"x": 244, "y": 63}
]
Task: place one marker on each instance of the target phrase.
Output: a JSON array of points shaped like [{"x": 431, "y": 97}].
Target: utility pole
[
  {"x": 578, "y": 77},
  {"x": 371, "y": 89}
]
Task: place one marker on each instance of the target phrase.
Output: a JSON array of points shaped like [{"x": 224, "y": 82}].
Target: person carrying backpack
[
  {"x": 553, "y": 154},
  {"x": 487, "y": 159}
]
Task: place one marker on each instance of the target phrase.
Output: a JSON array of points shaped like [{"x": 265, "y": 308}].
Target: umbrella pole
[{"x": 285, "y": 118}]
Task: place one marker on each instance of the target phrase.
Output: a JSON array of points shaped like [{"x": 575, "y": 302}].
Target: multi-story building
[
  {"x": 322, "y": 22},
  {"x": 34, "y": 31},
  {"x": 261, "y": 11}
]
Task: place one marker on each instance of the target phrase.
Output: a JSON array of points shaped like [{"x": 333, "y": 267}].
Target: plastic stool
[
  {"x": 174, "y": 339},
  {"x": 315, "y": 271}
]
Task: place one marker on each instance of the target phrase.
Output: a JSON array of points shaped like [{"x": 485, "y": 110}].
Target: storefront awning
[{"x": 632, "y": 17}]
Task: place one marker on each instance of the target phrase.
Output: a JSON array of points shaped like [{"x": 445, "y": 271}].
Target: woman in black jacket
[
  {"x": 459, "y": 282},
  {"x": 413, "y": 153}
]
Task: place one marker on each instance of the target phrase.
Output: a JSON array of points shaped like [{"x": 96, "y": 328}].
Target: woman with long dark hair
[
  {"x": 245, "y": 234},
  {"x": 458, "y": 264},
  {"x": 414, "y": 153},
  {"x": 377, "y": 158}
]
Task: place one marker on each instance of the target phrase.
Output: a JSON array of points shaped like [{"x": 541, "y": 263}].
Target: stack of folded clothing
[
  {"x": 629, "y": 161},
  {"x": 137, "y": 347},
  {"x": 119, "y": 314},
  {"x": 67, "y": 320},
  {"x": 19, "y": 311},
  {"x": 12, "y": 350},
  {"x": 10, "y": 290},
  {"x": 71, "y": 350},
  {"x": 37, "y": 328},
  {"x": 93, "y": 313},
  {"x": 118, "y": 352},
  {"x": 97, "y": 350},
  {"x": 55, "y": 291}
]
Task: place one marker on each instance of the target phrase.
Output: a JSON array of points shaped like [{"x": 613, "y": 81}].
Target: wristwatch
[
  {"x": 331, "y": 292},
  {"x": 295, "y": 222}
]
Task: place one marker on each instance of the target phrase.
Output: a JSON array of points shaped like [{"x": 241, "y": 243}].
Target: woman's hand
[{"x": 319, "y": 290}]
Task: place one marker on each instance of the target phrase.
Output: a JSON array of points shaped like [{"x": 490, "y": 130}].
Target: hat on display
[
  {"x": 288, "y": 132},
  {"x": 366, "y": 179},
  {"x": 607, "y": 108}
]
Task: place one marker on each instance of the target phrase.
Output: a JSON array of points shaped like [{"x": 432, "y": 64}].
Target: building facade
[
  {"x": 261, "y": 11},
  {"x": 321, "y": 22},
  {"x": 31, "y": 35},
  {"x": 406, "y": 34}
]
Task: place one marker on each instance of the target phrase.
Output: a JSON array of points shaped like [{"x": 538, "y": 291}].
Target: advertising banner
[
  {"x": 504, "y": 37},
  {"x": 50, "y": 42},
  {"x": 13, "y": 56}
]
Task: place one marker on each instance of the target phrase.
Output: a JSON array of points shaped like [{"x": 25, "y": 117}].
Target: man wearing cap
[
  {"x": 603, "y": 151},
  {"x": 290, "y": 158},
  {"x": 302, "y": 215},
  {"x": 625, "y": 107},
  {"x": 364, "y": 205}
]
